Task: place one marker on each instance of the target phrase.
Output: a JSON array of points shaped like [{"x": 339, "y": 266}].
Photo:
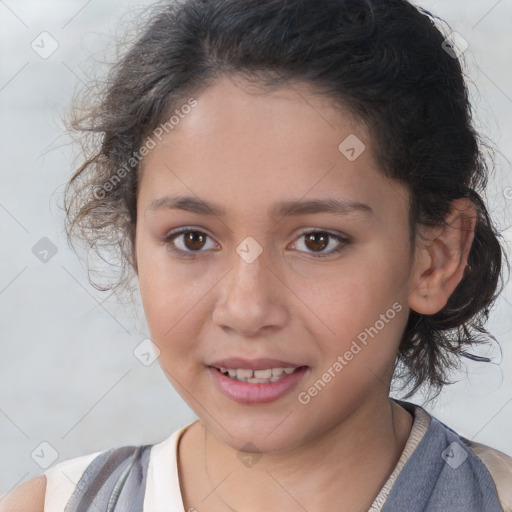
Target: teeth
[
  {"x": 243, "y": 373},
  {"x": 263, "y": 374},
  {"x": 257, "y": 376}
]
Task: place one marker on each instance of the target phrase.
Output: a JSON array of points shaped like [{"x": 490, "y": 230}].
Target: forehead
[{"x": 242, "y": 146}]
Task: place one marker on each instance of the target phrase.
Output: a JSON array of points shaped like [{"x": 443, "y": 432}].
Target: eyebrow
[{"x": 282, "y": 209}]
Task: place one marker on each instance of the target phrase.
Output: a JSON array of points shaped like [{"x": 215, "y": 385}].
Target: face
[{"x": 264, "y": 271}]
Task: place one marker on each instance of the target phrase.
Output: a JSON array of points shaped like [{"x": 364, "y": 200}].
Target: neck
[{"x": 349, "y": 464}]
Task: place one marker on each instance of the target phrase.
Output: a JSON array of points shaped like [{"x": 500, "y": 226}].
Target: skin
[
  {"x": 288, "y": 303},
  {"x": 26, "y": 497}
]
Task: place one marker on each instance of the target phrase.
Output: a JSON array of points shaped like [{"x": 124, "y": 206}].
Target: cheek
[
  {"x": 174, "y": 299},
  {"x": 361, "y": 287},
  {"x": 364, "y": 301},
  {"x": 161, "y": 289}
]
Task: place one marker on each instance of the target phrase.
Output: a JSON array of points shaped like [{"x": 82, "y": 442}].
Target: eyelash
[{"x": 169, "y": 242}]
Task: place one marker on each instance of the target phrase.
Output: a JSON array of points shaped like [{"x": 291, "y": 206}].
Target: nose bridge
[
  {"x": 250, "y": 296},
  {"x": 249, "y": 267}
]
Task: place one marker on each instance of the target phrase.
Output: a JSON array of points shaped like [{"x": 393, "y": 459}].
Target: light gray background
[{"x": 68, "y": 375}]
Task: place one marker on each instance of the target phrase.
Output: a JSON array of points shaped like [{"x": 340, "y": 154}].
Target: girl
[{"x": 296, "y": 186}]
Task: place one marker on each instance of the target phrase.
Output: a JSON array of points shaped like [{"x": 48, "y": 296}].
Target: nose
[{"x": 252, "y": 298}]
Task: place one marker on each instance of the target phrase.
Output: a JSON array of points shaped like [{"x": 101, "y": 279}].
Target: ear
[{"x": 441, "y": 258}]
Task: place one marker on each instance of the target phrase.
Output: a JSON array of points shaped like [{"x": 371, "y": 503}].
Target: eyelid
[{"x": 338, "y": 234}]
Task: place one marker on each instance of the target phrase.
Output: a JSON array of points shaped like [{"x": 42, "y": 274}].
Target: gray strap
[
  {"x": 115, "y": 481},
  {"x": 443, "y": 475}
]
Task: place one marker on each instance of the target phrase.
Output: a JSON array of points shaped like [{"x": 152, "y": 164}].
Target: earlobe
[{"x": 442, "y": 255}]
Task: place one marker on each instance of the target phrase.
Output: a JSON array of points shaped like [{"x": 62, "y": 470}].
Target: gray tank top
[{"x": 441, "y": 475}]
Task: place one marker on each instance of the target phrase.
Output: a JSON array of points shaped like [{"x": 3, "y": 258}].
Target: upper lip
[{"x": 253, "y": 364}]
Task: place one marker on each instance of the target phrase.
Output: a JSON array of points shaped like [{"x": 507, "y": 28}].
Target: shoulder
[
  {"x": 482, "y": 475},
  {"x": 52, "y": 491},
  {"x": 62, "y": 479},
  {"x": 49, "y": 491},
  {"x": 26, "y": 497},
  {"x": 499, "y": 466}
]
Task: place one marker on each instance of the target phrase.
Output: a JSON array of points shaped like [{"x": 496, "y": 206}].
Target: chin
[{"x": 264, "y": 435}]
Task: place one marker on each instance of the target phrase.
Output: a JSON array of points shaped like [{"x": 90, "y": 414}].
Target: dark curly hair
[{"x": 384, "y": 60}]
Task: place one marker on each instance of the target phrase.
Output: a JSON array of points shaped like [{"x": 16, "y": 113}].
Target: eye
[
  {"x": 316, "y": 241},
  {"x": 189, "y": 242},
  {"x": 186, "y": 242}
]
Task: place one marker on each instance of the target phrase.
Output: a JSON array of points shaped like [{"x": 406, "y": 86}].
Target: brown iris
[
  {"x": 195, "y": 239},
  {"x": 316, "y": 239}
]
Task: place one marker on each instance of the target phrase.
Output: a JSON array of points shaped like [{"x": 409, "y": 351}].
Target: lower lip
[{"x": 257, "y": 393}]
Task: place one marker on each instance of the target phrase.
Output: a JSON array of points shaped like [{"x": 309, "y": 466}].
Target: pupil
[{"x": 315, "y": 238}]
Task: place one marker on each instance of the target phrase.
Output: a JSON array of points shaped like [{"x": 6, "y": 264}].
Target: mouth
[{"x": 256, "y": 386}]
